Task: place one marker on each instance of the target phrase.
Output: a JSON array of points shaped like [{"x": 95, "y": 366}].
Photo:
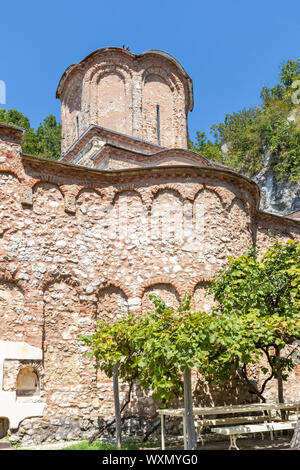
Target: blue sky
[{"x": 229, "y": 48}]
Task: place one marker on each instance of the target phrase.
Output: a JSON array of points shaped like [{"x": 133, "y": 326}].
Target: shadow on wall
[
  {"x": 4, "y": 427},
  {"x": 232, "y": 392}
]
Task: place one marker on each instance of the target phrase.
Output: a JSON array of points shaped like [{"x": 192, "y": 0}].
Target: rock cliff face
[{"x": 278, "y": 197}]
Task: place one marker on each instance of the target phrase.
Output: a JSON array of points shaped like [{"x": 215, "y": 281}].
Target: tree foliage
[
  {"x": 49, "y": 138},
  {"x": 112, "y": 344},
  {"x": 257, "y": 313},
  {"x": 170, "y": 340},
  {"x": 153, "y": 349},
  {"x": 250, "y": 133},
  {"x": 45, "y": 142},
  {"x": 157, "y": 350}
]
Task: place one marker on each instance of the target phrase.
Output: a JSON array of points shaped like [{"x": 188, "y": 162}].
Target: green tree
[
  {"x": 30, "y": 141},
  {"x": 115, "y": 355},
  {"x": 250, "y": 133},
  {"x": 49, "y": 138},
  {"x": 45, "y": 142},
  {"x": 257, "y": 312},
  {"x": 208, "y": 149},
  {"x": 158, "y": 350},
  {"x": 12, "y": 116},
  {"x": 173, "y": 341}
]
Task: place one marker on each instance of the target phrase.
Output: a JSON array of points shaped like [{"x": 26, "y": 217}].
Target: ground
[{"x": 244, "y": 443}]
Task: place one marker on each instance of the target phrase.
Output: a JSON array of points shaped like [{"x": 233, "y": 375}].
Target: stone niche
[
  {"x": 112, "y": 304},
  {"x": 166, "y": 291},
  {"x": 22, "y": 376},
  {"x": 28, "y": 383},
  {"x": 201, "y": 300}
]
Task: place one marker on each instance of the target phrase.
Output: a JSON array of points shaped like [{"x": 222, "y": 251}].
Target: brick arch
[
  {"x": 245, "y": 207},
  {"x": 167, "y": 214},
  {"x": 160, "y": 280},
  {"x": 237, "y": 199},
  {"x": 48, "y": 180},
  {"x": 95, "y": 201},
  {"x": 112, "y": 301},
  {"x": 162, "y": 73},
  {"x": 129, "y": 188},
  {"x": 206, "y": 301},
  {"x": 207, "y": 206},
  {"x": 191, "y": 285},
  {"x": 74, "y": 90},
  {"x": 66, "y": 278},
  {"x": 226, "y": 195},
  {"x": 168, "y": 187},
  {"x": 240, "y": 226},
  {"x": 96, "y": 71},
  {"x": 99, "y": 73},
  {"x": 214, "y": 190},
  {"x": 115, "y": 284},
  {"x": 71, "y": 109},
  {"x": 14, "y": 172},
  {"x": 119, "y": 71},
  {"x": 158, "y": 86},
  {"x": 167, "y": 290},
  {"x": 36, "y": 366},
  {"x": 129, "y": 215},
  {"x": 87, "y": 189},
  {"x": 11, "y": 278}
]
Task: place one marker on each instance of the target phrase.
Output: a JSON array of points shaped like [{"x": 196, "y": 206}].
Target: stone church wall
[{"x": 77, "y": 247}]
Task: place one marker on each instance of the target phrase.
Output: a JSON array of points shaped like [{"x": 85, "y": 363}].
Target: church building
[{"x": 126, "y": 211}]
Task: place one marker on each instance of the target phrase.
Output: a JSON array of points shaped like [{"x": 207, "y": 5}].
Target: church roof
[
  {"x": 131, "y": 150},
  {"x": 120, "y": 50}
]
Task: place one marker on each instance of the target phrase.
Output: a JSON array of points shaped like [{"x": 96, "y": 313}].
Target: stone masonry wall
[{"x": 78, "y": 247}]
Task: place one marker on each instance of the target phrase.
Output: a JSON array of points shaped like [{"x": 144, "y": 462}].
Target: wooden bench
[
  {"x": 216, "y": 416},
  {"x": 234, "y": 431},
  {"x": 200, "y": 424}
]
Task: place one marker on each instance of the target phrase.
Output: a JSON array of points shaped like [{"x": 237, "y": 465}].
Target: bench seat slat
[
  {"x": 255, "y": 428},
  {"x": 238, "y": 420}
]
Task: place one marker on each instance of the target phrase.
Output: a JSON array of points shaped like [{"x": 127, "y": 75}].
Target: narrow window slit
[{"x": 158, "y": 123}]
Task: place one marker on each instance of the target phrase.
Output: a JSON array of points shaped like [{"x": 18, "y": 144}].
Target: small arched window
[{"x": 28, "y": 383}]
